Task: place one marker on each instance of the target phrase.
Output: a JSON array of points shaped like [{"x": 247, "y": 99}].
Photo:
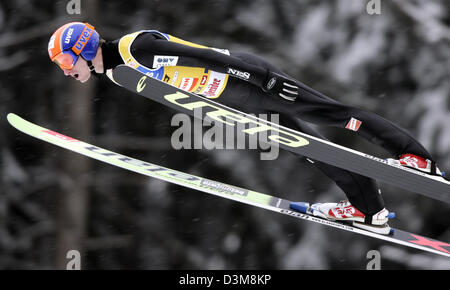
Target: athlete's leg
[
  {"x": 314, "y": 107},
  {"x": 362, "y": 192}
]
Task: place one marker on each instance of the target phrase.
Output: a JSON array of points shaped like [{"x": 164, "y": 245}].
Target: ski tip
[
  {"x": 391, "y": 215},
  {"x": 299, "y": 206},
  {"x": 10, "y": 116},
  {"x": 12, "y": 119}
]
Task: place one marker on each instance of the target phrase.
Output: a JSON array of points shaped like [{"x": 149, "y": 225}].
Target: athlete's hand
[{"x": 280, "y": 86}]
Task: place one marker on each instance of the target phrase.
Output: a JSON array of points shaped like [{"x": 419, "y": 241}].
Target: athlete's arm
[{"x": 147, "y": 45}]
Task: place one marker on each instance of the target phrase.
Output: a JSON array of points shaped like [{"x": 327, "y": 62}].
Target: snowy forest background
[{"x": 396, "y": 63}]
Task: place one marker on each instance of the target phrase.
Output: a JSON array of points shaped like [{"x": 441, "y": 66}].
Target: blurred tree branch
[
  {"x": 432, "y": 29},
  {"x": 35, "y": 31},
  {"x": 13, "y": 60}
]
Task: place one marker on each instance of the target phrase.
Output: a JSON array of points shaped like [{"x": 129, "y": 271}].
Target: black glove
[{"x": 280, "y": 86}]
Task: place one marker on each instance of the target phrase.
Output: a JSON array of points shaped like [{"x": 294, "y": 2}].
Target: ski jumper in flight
[{"x": 251, "y": 84}]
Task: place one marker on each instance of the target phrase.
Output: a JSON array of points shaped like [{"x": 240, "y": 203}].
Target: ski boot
[
  {"x": 345, "y": 212},
  {"x": 418, "y": 163}
]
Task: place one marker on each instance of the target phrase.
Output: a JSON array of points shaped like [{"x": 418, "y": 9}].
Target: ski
[
  {"x": 223, "y": 190},
  {"x": 299, "y": 143}
]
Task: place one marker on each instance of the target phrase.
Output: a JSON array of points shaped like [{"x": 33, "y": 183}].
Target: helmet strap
[{"x": 92, "y": 68}]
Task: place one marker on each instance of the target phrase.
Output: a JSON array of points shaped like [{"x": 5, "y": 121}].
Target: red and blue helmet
[{"x": 72, "y": 40}]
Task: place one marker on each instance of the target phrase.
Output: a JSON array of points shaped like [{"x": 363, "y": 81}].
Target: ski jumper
[{"x": 237, "y": 80}]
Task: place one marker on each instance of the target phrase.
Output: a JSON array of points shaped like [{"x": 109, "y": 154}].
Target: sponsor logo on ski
[
  {"x": 60, "y": 136},
  {"x": 141, "y": 84},
  {"x": 317, "y": 220},
  {"x": 229, "y": 118},
  {"x": 224, "y": 187},
  {"x": 437, "y": 245},
  {"x": 159, "y": 170}
]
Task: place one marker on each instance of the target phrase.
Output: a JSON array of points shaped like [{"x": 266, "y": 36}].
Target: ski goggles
[{"x": 66, "y": 59}]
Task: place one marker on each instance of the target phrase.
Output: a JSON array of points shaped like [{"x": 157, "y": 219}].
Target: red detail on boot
[
  {"x": 412, "y": 160},
  {"x": 345, "y": 212}
]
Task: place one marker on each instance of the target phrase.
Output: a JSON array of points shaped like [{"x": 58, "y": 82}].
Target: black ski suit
[{"x": 246, "y": 94}]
